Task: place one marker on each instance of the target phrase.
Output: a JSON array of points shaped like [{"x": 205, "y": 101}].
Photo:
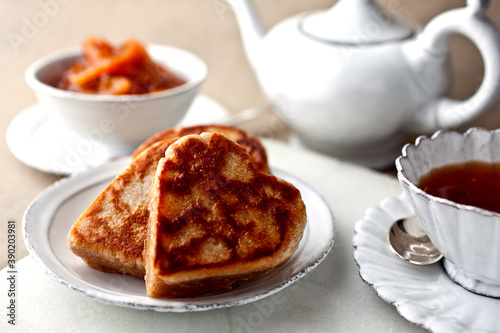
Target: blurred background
[{"x": 205, "y": 27}]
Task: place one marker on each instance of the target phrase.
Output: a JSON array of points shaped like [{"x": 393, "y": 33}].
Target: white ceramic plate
[
  {"x": 50, "y": 216},
  {"x": 424, "y": 295},
  {"x": 48, "y": 146}
]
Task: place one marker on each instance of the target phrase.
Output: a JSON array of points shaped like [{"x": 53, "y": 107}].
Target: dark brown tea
[{"x": 472, "y": 183}]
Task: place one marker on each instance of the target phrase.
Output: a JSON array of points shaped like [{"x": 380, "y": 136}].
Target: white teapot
[{"x": 352, "y": 81}]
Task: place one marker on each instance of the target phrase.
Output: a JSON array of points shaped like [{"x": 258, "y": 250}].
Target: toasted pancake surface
[
  {"x": 110, "y": 234},
  {"x": 215, "y": 220},
  {"x": 248, "y": 141}
]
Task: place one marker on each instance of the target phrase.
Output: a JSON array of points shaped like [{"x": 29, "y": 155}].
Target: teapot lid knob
[{"x": 356, "y": 22}]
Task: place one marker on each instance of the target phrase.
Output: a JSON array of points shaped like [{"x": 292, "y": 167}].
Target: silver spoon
[{"x": 410, "y": 242}]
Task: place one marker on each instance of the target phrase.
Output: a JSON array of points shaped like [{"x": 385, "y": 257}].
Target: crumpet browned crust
[
  {"x": 215, "y": 220},
  {"x": 110, "y": 234},
  {"x": 248, "y": 141}
]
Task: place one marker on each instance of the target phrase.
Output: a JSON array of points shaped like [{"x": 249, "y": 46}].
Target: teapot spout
[{"x": 251, "y": 29}]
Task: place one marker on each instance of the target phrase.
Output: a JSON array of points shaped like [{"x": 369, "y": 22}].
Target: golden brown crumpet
[
  {"x": 215, "y": 220},
  {"x": 110, "y": 234},
  {"x": 248, "y": 141}
]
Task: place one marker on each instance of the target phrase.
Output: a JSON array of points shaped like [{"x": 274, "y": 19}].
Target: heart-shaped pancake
[{"x": 215, "y": 220}]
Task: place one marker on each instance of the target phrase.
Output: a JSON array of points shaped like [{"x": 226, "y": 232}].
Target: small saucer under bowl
[
  {"x": 46, "y": 145},
  {"x": 424, "y": 295}
]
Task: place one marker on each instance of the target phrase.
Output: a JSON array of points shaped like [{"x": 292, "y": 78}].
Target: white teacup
[
  {"x": 467, "y": 236},
  {"x": 119, "y": 122}
]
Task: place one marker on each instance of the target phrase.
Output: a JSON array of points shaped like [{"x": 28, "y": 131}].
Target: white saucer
[
  {"x": 49, "y": 217},
  {"x": 46, "y": 145},
  {"x": 424, "y": 295}
]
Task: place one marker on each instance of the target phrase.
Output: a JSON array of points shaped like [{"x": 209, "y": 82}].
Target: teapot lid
[{"x": 356, "y": 22}]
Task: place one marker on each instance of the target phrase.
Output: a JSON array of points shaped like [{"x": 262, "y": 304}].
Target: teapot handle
[{"x": 471, "y": 22}]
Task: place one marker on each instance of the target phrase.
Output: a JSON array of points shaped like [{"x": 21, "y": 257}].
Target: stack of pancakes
[{"x": 195, "y": 211}]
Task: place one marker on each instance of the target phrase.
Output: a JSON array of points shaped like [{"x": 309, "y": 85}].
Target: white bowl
[
  {"x": 121, "y": 122},
  {"x": 467, "y": 236}
]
